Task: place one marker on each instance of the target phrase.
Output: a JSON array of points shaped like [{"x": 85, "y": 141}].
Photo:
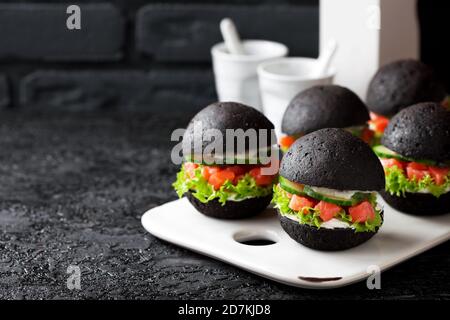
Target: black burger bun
[
  {"x": 333, "y": 158},
  {"x": 421, "y": 204},
  {"x": 421, "y": 131},
  {"x": 221, "y": 116},
  {"x": 403, "y": 83},
  {"x": 324, "y": 239},
  {"x": 323, "y": 106},
  {"x": 232, "y": 209}
]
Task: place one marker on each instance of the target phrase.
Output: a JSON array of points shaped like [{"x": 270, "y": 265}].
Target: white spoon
[
  {"x": 231, "y": 37},
  {"x": 325, "y": 58}
]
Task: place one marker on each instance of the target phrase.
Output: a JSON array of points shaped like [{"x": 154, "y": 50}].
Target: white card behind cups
[
  {"x": 235, "y": 75},
  {"x": 370, "y": 33},
  {"x": 282, "y": 79}
]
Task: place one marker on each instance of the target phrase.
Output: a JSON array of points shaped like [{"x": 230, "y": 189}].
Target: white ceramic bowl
[
  {"x": 282, "y": 79},
  {"x": 236, "y": 76}
]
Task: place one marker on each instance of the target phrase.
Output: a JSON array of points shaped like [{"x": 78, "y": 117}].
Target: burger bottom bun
[
  {"x": 422, "y": 204},
  {"x": 231, "y": 209},
  {"x": 324, "y": 239}
]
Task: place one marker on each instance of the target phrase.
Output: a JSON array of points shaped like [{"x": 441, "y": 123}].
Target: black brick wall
[
  {"x": 186, "y": 33},
  {"x": 116, "y": 90},
  {"x": 132, "y": 55},
  {"x": 38, "y": 32},
  {"x": 4, "y": 92}
]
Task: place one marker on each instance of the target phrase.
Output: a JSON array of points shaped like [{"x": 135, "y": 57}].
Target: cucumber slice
[
  {"x": 302, "y": 190},
  {"x": 383, "y": 152},
  {"x": 225, "y": 161},
  {"x": 291, "y": 187},
  {"x": 360, "y": 197},
  {"x": 339, "y": 201}
]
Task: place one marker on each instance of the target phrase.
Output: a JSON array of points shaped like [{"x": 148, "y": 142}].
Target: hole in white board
[{"x": 256, "y": 237}]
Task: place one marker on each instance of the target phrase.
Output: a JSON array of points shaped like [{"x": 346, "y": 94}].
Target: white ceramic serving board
[{"x": 401, "y": 237}]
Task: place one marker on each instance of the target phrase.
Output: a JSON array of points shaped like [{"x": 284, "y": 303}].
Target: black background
[{"x": 75, "y": 184}]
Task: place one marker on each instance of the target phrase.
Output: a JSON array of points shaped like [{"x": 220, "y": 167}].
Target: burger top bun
[
  {"x": 323, "y": 106},
  {"x": 421, "y": 131},
  {"x": 403, "y": 83},
  {"x": 222, "y": 116},
  {"x": 333, "y": 158}
]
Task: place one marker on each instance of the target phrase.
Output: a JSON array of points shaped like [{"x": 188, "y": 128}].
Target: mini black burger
[
  {"x": 402, "y": 83},
  {"x": 415, "y": 153},
  {"x": 227, "y": 185},
  {"x": 324, "y": 106},
  {"x": 326, "y": 195},
  {"x": 398, "y": 85}
]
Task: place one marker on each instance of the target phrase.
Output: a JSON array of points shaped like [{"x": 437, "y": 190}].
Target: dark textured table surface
[{"x": 73, "y": 188}]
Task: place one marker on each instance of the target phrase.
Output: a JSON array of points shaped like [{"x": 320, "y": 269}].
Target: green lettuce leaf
[
  {"x": 367, "y": 226},
  {"x": 376, "y": 139},
  {"x": 284, "y": 149},
  {"x": 356, "y": 130},
  {"x": 281, "y": 202},
  {"x": 204, "y": 192},
  {"x": 397, "y": 183}
]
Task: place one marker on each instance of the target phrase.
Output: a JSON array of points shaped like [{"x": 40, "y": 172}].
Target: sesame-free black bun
[
  {"x": 400, "y": 84},
  {"x": 324, "y": 239},
  {"x": 232, "y": 209},
  {"x": 422, "y": 204},
  {"x": 323, "y": 106},
  {"x": 222, "y": 116},
  {"x": 421, "y": 131},
  {"x": 333, "y": 158}
]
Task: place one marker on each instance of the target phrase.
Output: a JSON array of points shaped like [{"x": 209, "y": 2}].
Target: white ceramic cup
[
  {"x": 235, "y": 74},
  {"x": 282, "y": 79}
]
